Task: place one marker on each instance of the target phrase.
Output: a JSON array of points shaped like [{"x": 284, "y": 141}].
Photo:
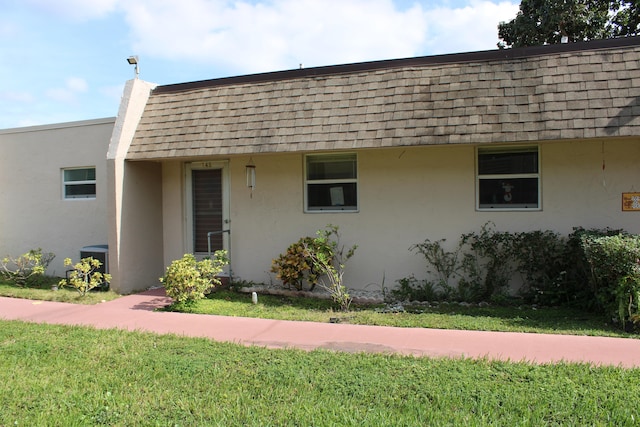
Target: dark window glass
[
  {"x": 332, "y": 196},
  {"x": 498, "y": 163},
  {"x": 331, "y": 167},
  {"x": 77, "y": 191},
  {"x": 88, "y": 174},
  {"x": 509, "y": 193}
]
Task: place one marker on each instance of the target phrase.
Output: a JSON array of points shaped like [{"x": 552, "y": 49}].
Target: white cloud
[
  {"x": 78, "y": 10},
  {"x": 8, "y": 29},
  {"x": 212, "y": 38},
  {"x": 14, "y": 96},
  {"x": 69, "y": 93},
  {"x": 242, "y": 36},
  {"x": 469, "y": 28},
  {"x": 77, "y": 84},
  {"x": 278, "y": 34},
  {"x": 253, "y": 36}
]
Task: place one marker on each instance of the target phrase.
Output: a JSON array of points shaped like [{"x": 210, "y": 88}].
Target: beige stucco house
[
  {"x": 53, "y": 189},
  {"x": 392, "y": 152}
]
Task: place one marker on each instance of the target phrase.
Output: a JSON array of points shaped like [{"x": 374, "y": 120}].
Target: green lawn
[
  {"x": 445, "y": 316},
  {"x": 77, "y": 376},
  {"x": 42, "y": 291}
]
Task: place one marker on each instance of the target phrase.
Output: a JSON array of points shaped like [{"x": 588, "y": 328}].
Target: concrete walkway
[{"x": 135, "y": 313}]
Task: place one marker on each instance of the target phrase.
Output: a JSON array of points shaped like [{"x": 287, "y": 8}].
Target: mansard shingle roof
[{"x": 571, "y": 91}]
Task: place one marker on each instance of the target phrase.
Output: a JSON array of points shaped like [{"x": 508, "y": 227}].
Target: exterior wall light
[{"x": 133, "y": 60}]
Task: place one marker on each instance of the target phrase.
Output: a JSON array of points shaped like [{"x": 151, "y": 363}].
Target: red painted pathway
[{"x": 135, "y": 313}]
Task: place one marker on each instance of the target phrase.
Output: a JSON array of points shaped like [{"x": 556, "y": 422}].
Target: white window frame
[
  {"x": 308, "y": 182},
  {"x": 66, "y": 183},
  {"x": 536, "y": 175}
]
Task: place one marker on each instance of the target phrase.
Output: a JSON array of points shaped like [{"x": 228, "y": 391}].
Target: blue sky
[{"x": 65, "y": 60}]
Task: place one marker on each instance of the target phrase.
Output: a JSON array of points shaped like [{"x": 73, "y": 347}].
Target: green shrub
[
  {"x": 593, "y": 269},
  {"x": 445, "y": 264},
  {"x": 482, "y": 262},
  {"x": 615, "y": 268},
  {"x": 316, "y": 261},
  {"x": 84, "y": 276},
  {"x": 25, "y": 268},
  {"x": 541, "y": 258},
  {"x": 488, "y": 263},
  {"x": 412, "y": 289},
  {"x": 296, "y": 267},
  {"x": 329, "y": 259},
  {"x": 187, "y": 280},
  {"x": 578, "y": 280}
]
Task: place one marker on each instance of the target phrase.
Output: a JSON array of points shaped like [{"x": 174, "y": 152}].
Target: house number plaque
[{"x": 631, "y": 201}]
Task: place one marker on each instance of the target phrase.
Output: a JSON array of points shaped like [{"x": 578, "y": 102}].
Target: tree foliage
[{"x": 546, "y": 21}]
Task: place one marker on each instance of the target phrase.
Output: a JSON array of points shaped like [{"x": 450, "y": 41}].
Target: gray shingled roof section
[{"x": 567, "y": 95}]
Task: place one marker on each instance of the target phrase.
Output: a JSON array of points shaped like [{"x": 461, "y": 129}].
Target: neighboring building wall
[
  {"x": 34, "y": 213},
  {"x": 406, "y": 196}
]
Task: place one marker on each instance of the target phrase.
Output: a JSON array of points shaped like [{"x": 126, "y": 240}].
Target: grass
[
  {"x": 41, "y": 290},
  {"x": 445, "y": 316},
  {"x": 76, "y": 376}
]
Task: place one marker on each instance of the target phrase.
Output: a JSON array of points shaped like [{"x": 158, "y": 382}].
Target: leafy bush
[
  {"x": 488, "y": 263},
  {"x": 26, "y": 267},
  {"x": 541, "y": 258},
  {"x": 329, "y": 260},
  {"x": 554, "y": 269},
  {"x": 315, "y": 261},
  {"x": 296, "y": 267},
  {"x": 187, "y": 280},
  {"x": 445, "y": 263},
  {"x": 615, "y": 267},
  {"x": 570, "y": 279},
  {"x": 84, "y": 276},
  {"x": 482, "y": 262},
  {"x": 412, "y": 289}
]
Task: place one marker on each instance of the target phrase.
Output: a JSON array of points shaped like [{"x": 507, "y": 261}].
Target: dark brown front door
[{"x": 207, "y": 209}]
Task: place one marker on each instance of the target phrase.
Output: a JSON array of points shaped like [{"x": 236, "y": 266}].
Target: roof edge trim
[{"x": 485, "y": 55}]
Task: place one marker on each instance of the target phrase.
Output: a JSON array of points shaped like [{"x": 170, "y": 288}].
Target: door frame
[{"x": 188, "y": 205}]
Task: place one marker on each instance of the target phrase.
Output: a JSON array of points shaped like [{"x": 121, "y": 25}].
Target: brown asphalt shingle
[{"x": 579, "y": 91}]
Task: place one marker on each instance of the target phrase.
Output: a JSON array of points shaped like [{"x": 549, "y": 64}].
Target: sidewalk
[{"x": 135, "y": 313}]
